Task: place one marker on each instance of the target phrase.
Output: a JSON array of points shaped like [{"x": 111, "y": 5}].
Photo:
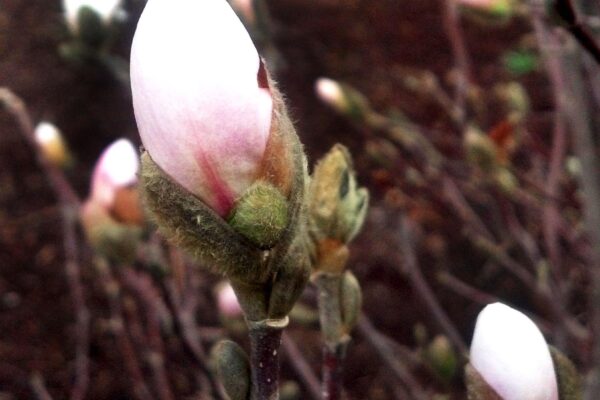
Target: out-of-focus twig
[
  {"x": 69, "y": 204},
  {"x": 423, "y": 290},
  {"x": 461, "y": 58},
  {"x": 301, "y": 366},
  {"x": 147, "y": 295},
  {"x": 396, "y": 366},
  {"x": 566, "y": 10},
  {"x": 565, "y": 73},
  {"x": 38, "y": 386},
  {"x": 112, "y": 290}
]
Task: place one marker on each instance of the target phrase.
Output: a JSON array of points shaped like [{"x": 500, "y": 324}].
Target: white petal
[{"x": 510, "y": 353}]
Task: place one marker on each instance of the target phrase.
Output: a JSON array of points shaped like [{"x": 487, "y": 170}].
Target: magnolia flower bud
[
  {"x": 201, "y": 98},
  {"x": 104, "y": 9},
  {"x": 116, "y": 169},
  {"x": 510, "y": 354},
  {"x": 342, "y": 98},
  {"x": 52, "y": 144},
  {"x": 223, "y": 172},
  {"x": 112, "y": 215}
]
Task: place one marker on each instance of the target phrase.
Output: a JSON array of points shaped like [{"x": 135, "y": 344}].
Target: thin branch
[
  {"x": 301, "y": 366},
  {"x": 148, "y": 297},
  {"x": 38, "y": 386},
  {"x": 459, "y": 50},
  {"x": 395, "y": 364},
  {"x": 69, "y": 203},
  {"x": 423, "y": 290}
]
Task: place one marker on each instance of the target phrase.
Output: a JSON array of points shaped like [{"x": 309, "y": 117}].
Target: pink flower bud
[
  {"x": 116, "y": 169},
  {"x": 201, "y": 99},
  {"x": 510, "y": 353},
  {"x": 227, "y": 301}
]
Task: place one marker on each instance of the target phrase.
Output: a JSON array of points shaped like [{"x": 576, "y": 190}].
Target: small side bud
[
  {"x": 233, "y": 369},
  {"x": 481, "y": 150},
  {"x": 337, "y": 206},
  {"x": 290, "y": 391},
  {"x": 440, "y": 355},
  {"x": 112, "y": 216},
  {"x": 350, "y": 301},
  {"x": 53, "y": 146},
  {"x": 342, "y": 98},
  {"x": 567, "y": 377},
  {"x": 261, "y": 214}
]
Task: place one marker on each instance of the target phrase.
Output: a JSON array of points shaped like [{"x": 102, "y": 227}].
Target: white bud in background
[
  {"x": 510, "y": 353},
  {"x": 331, "y": 92},
  {"x": 116, "y": 169},
  {"x": 51, "y": 142}
]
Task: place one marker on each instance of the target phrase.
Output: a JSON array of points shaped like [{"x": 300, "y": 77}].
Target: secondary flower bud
[
  {"x": 511, "y": 355},
  {"x": 112, "y": 216},
  {"x": 201, "y": 98},
  {"x": 52, "y": 144},
  {"x": 116, "y": 169}
]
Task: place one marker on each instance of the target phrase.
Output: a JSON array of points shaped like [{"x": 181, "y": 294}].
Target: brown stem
[
  {"x": 422, "y": 288},
  {"x": 265, "y": 339}
]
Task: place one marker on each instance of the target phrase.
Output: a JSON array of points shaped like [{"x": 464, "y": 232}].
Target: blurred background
[{"x": 473, "y": 126}]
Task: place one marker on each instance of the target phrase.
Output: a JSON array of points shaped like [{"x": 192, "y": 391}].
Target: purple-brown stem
[
  {"x": 334, "y": 348},
  {"x": 333, "y": 368},
  {"x": 265, "y": 339}
]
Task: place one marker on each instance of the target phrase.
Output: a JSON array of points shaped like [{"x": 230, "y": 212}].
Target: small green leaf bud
[
  {"x": 567, "y": 377},
  {"x": 337, "y": 207},
  {"x": 350, "y": 301},
  {"x": 440, "y": 355},
  {"x": 233, "y": 369}
]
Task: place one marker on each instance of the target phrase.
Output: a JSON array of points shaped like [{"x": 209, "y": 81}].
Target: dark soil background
[{"x": 369, "y": 44}]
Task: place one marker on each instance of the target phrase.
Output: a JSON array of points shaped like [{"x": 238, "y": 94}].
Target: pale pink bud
[
  {"x": 116, "y": 169},
  {"x": 330, "y": 91},
  {"x": 511, "y": 355},
  {"x": 227, "y": 301},
  {"x": 52, "y": 144},
  {"x": 106, "y": 10},
  {"x": 200, "y": 96}
]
